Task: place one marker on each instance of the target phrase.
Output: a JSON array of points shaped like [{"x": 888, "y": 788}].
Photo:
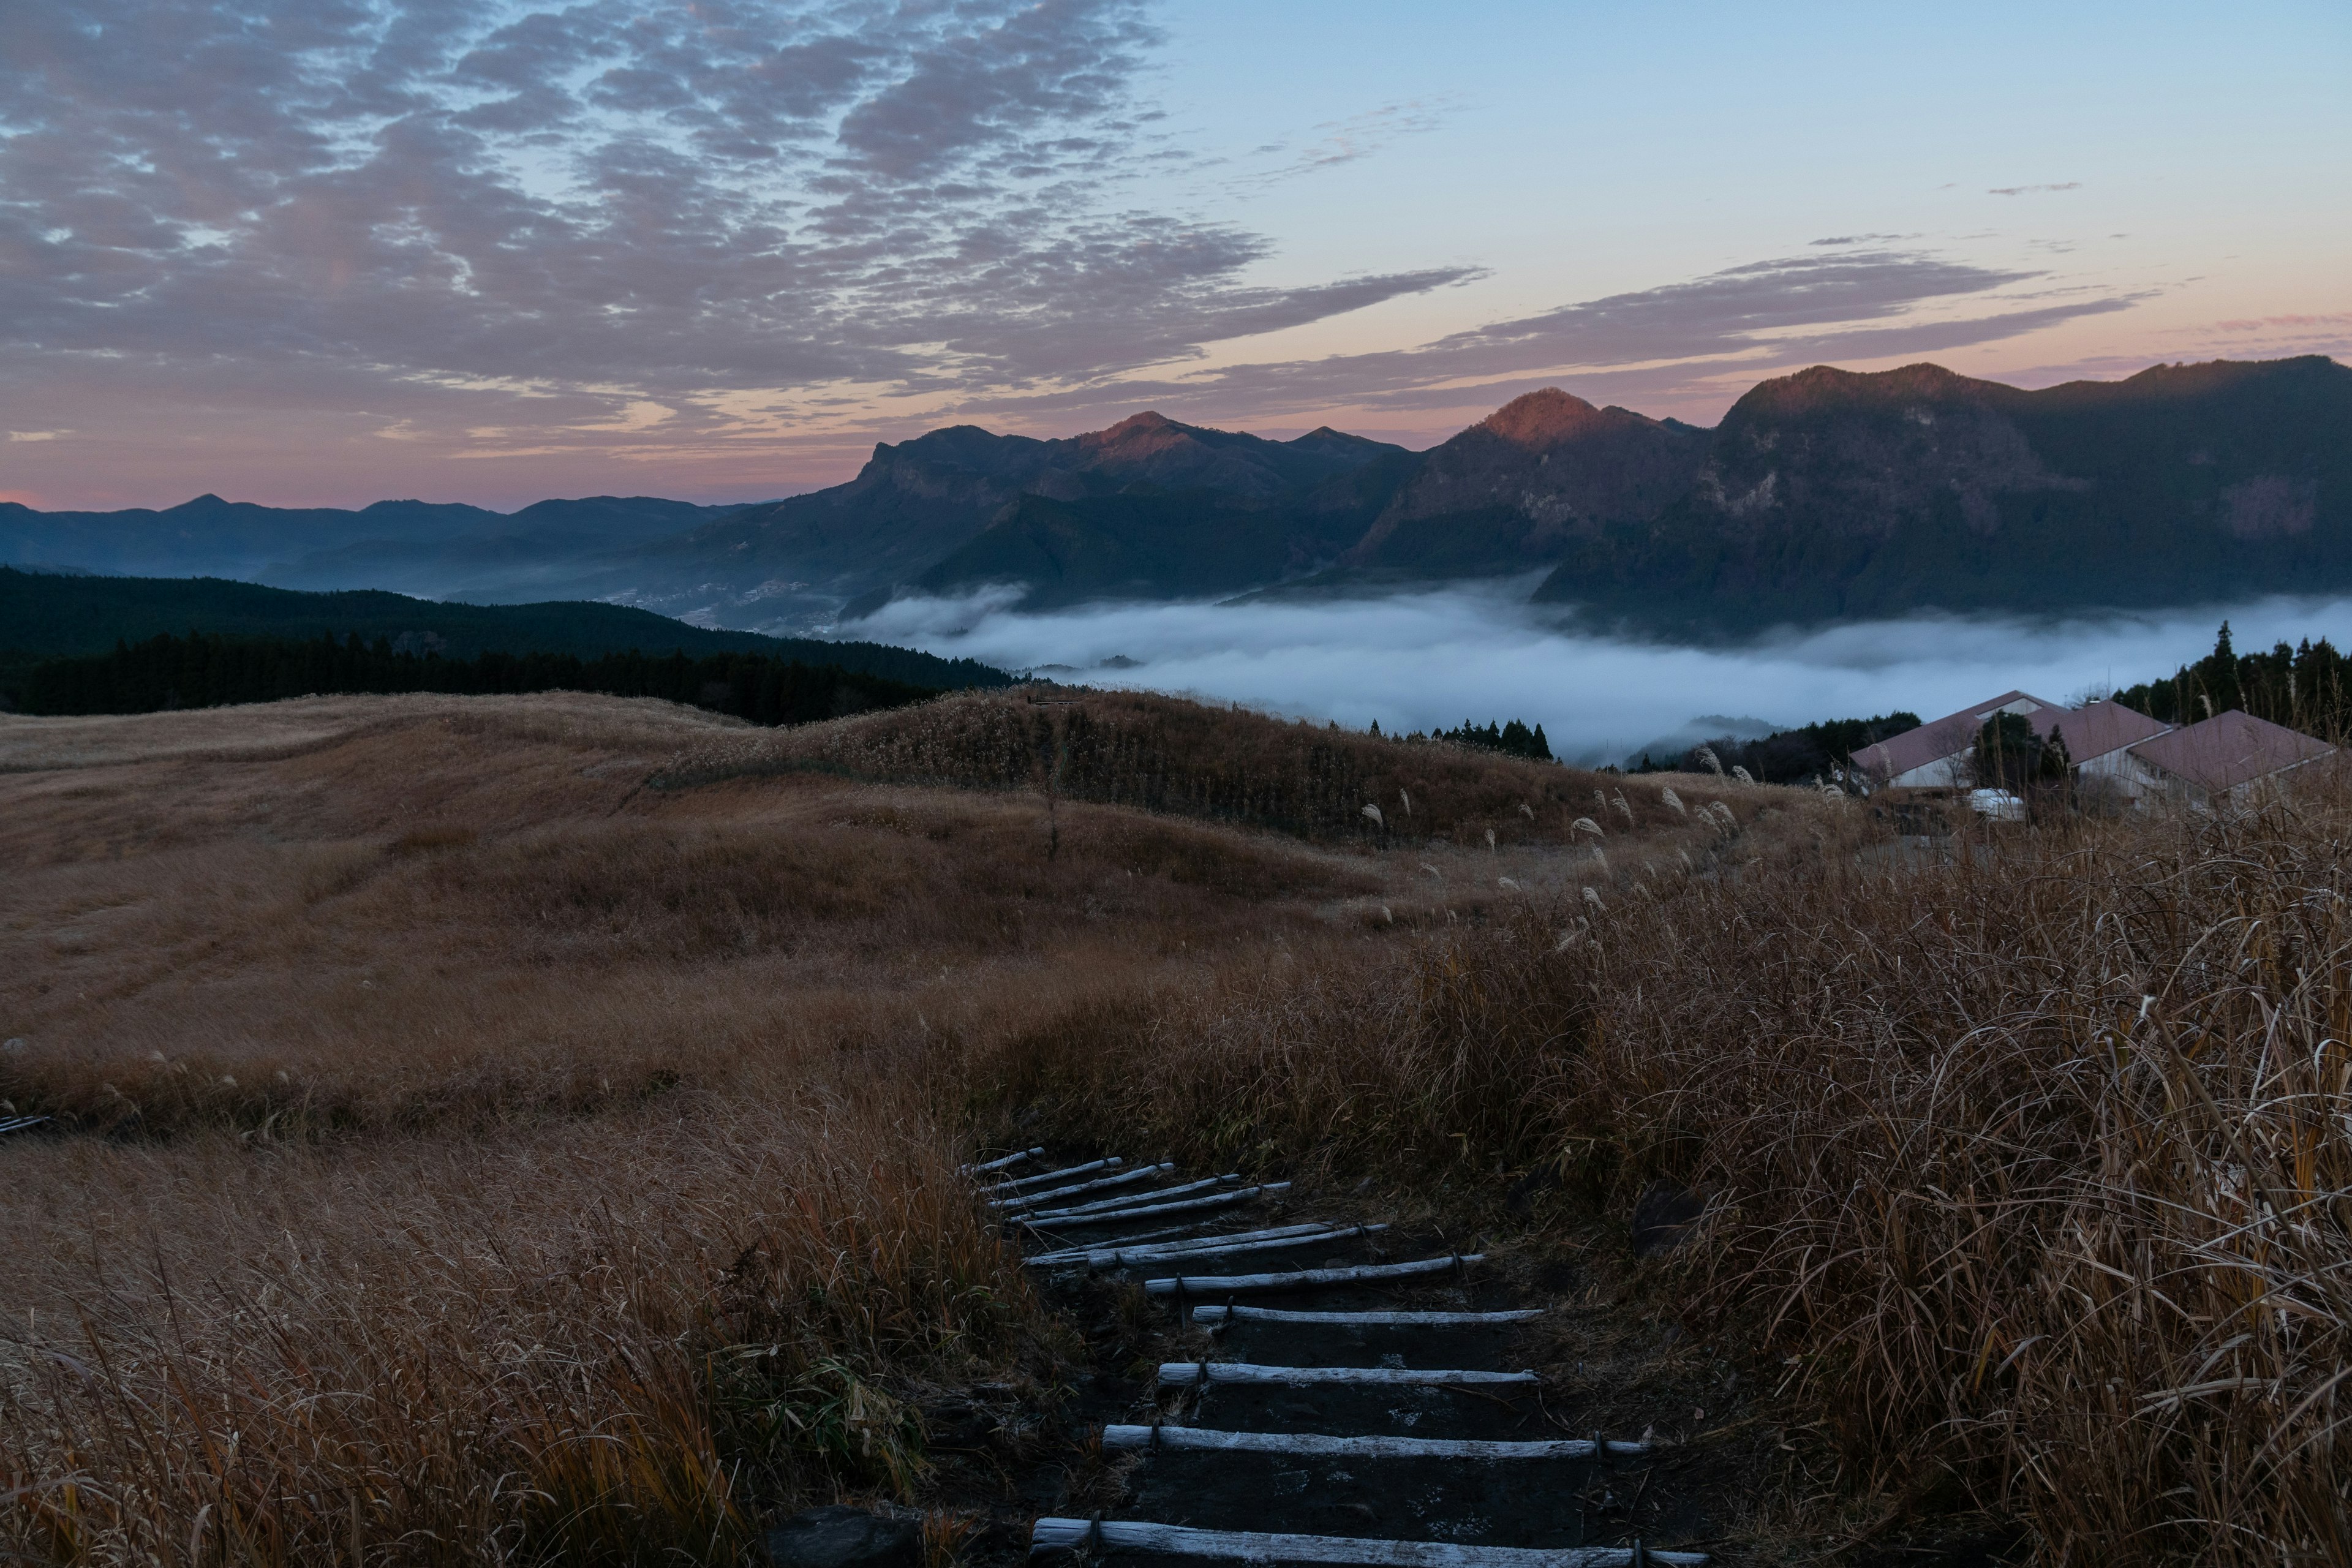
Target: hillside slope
[
  {"x": 47, "y": 616},
  {"x": 1830, "y": 495}
]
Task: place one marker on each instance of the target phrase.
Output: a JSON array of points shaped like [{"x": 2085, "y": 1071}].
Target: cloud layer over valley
[{"x": 1478, "y": 652}]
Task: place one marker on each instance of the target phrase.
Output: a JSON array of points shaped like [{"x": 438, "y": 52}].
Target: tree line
[
  {"x": 2301, "y": 687},
  {"x": 1787, "y": 756},
  {"x": 201, "y": 670}
]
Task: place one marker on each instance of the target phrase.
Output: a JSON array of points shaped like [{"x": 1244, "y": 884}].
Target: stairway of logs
[{"x": 1348, "y": 1396}]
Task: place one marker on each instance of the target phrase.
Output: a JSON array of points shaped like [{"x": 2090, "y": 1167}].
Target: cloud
[
  {"x": 1479, "y": 652},
  {"x": 2032, "y": 190},
  {"x": 615, "y": 195},
  {"x": 1348, "y": 141},
  {"x": 1748, "y": 319}
]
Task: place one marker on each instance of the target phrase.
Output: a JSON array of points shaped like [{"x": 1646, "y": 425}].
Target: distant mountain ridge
[
  {"x": 432, "y": 547},
  {"x": 1080, "y": 516},
  {"x": 1830, "y": 495},
  {"x": 1823, "y": 495}
]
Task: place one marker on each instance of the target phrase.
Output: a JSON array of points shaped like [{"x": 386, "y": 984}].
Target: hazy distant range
[{"x": 1822, "y": 498}]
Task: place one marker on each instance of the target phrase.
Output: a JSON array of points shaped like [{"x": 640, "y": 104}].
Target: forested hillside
[
  {"x": 44, "y": 616},
  {"x": 198, "y": 671}
]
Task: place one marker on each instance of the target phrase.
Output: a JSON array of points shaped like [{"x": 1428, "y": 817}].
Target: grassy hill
[{"x": 44, "y": 616}]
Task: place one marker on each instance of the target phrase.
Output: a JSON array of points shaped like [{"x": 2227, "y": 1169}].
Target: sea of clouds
[{"x": 1480, "y": 652}]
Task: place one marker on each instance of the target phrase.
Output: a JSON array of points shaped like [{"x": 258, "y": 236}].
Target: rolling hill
[{"x": 49, "y": 615}]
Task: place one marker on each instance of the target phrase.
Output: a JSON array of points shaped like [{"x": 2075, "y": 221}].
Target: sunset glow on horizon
[{"x": 325, "y": 254}]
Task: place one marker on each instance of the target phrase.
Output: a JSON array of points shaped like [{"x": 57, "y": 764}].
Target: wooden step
[
  {"x": 1192, "y": 1374},
  {"x": 1198, "y": 1440},
  {"x": 1134, "y": 1535},
  {"x": 1307, "y": 1279},
  {"x": 1121, "y": 1216},
  {"x": 1221, "y": 1317}
]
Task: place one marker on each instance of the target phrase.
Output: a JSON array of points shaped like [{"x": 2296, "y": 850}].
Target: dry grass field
[{"x": 514, "y": 1129}]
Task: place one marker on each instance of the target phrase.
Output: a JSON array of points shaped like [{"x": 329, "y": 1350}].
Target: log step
[
  {"x": 1013, "y": 1159},
  {"x": 1120, "y": 1217},
  {"x": 1031, "y": 1200},
  {"x": 1252, "y": 1546},
  {"x": 1195, "y": 1243},
  {"x": 1129, "y": 1257},
  {"x": 1191, "y": 1373},
  {"x": 1219, "y": 1317},
  {"x": 1198, "y": 1439},
  {"x": 1307, "y": 1279},
  {"x": 1130, "y": 1200},
  {"x": 1113, "y": 1163}
]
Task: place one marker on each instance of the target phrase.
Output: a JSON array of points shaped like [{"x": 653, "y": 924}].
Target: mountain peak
[
  {"x": 1543, "y": 418},
  {"x": 1147, "y": 421}
]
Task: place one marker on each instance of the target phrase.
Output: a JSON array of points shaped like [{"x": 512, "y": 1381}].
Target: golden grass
[
  {"x": 2030, "y": 1171},
  {"x": 476, "y": 1156},
  {"x": 479, "y": 1155}
]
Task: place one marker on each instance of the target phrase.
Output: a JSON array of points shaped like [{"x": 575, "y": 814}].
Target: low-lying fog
[{"x": 1479, "y": 652}]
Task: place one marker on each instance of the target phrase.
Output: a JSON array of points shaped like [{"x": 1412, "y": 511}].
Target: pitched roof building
[
  {"x": 2122, "y": 747},
  {"x": 1930, "y": 756},
  {"x": 2224, "y": 755}
]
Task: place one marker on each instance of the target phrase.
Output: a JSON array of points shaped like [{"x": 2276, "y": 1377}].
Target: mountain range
[{"x": 1822, "y": 496}]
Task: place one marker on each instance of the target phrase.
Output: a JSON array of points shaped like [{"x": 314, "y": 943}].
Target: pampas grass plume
[
  {"x": 1374, "y": 813},
  {"x": 1673, "y": 802}
]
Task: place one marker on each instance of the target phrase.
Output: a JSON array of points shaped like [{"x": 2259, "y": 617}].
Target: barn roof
[
  {"x": 2097, "y": 728},
  {"x": 2228, "y": 750},
  {"x": 1945, "y": 737}
]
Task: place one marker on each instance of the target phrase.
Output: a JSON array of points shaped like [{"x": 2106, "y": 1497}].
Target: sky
[{"x": 325, "y": 252}]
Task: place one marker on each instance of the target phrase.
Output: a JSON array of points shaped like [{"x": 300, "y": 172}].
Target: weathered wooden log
[
  {"x": 1197, "y": 1439},
  {"x": 1189, "y": 1373},
  {"x": 1035, "y": 1200},
  {"x": 1354, "y": 1552},
  {"x": 1198, "y": 1228},
  {"x": 1113, "y": 1163},
  {"x": 1130, "y": 1200},
  {"x": 1195, "y": 1241},
  {"x": 1121, "y": 1216},
  {"x": 1307, "y": 1279},
  {"x": 1013, "y": 1159},
  {"x": 1218, "y": 1317},
  {"x": 1137, "y": 1257}
]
